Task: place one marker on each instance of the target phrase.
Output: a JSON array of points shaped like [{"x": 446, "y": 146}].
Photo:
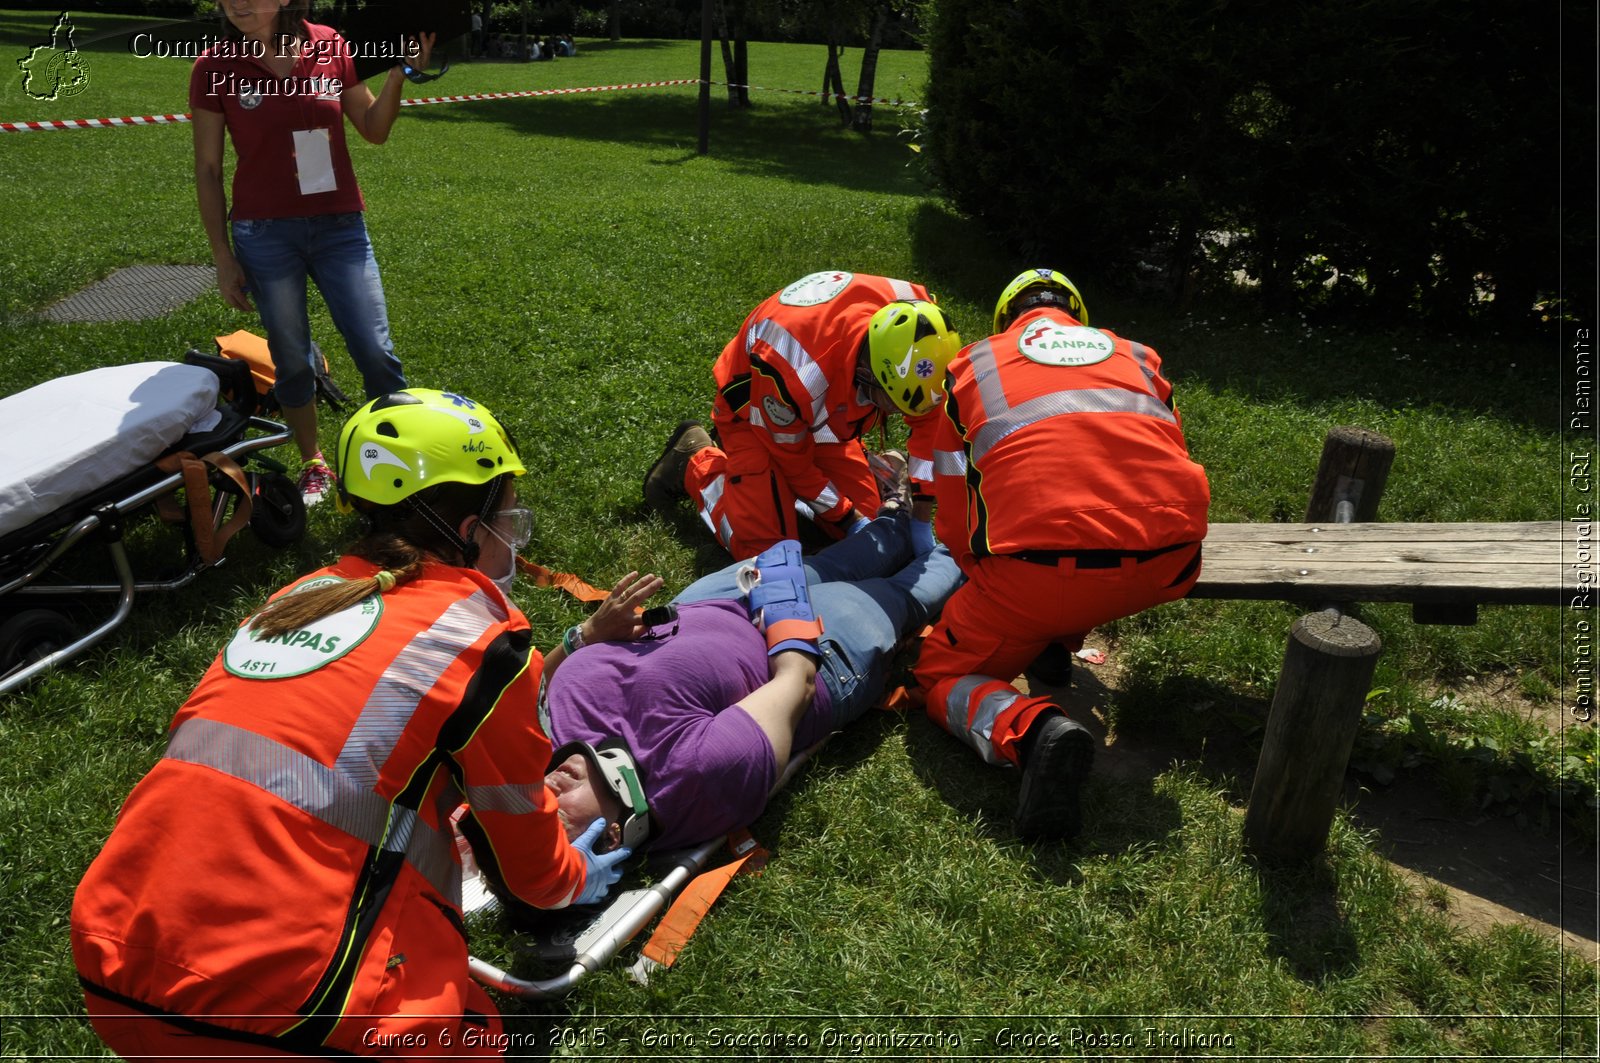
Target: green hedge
[{"x": 1398, "y": 156}]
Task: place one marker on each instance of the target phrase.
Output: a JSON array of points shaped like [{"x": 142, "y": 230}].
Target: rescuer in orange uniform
[
  {"x": 285, "y": 881},
  {"x": 813, "y": 369},
  {"x": 1066, "y": 493}
]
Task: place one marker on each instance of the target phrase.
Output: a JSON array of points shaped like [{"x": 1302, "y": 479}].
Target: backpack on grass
[{"x": 251, "y": 349}]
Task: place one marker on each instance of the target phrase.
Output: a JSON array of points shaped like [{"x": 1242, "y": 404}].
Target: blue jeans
[
  {"x": 870, "y": 593},
  {"x": 278, "y": 255}
]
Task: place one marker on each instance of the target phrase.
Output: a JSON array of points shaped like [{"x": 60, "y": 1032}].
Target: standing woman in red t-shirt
[{"x": 282, "y": 87}]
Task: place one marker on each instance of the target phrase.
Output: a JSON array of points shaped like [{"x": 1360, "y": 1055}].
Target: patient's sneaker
[
  {"x": 1058, "y": 753},
  {"x": 664, "y": 482},
  {"x": 316, "y": 481},
  {"x": 893, "y": 477}
]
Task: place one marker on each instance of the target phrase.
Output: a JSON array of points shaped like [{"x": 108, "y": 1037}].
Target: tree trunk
[
  {"x": 833, "y": 81},
  {"x": 616, "y": 21},
  {"x": 866, "y": 86},
  {"x": 741, "y": 53},
  {"x": 727, "y": 53},
  {"x": 735, "y": 51}
]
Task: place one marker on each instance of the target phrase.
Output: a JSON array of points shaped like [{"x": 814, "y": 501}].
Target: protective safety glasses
[{"x": 517, "y": 524}]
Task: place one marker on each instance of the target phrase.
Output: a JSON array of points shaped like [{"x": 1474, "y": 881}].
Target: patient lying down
[{"x": 679, "y": 736}]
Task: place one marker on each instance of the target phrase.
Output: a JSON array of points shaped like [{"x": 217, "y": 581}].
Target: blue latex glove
[
  {"x": 921, "y": 536},
  {"x": 600, "y": 872},
  {"x": 858, "y": 526},
  {"x": 780, "y": 602}
]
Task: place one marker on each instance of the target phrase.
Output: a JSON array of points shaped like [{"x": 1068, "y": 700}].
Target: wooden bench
[
  {"x": 1344, "y": 554},
  {"x": 1444, "y": 570}
]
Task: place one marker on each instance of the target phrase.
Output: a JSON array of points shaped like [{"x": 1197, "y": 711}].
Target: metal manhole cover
[{"x": 135, "y": 293}]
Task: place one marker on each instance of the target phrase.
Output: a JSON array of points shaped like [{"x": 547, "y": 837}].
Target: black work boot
[
  {"x": 1056, "y": 756},
  {"x": 664, "y": 482}
]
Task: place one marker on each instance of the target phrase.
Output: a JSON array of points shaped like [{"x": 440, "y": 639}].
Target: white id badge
[{"x": 313, "y": 160}]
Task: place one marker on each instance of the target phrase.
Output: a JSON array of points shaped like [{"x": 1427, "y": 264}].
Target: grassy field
[{"x": 573, "y": 262}]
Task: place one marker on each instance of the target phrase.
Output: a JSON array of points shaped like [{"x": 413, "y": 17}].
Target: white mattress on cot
[{"x": 71, "y": 436}]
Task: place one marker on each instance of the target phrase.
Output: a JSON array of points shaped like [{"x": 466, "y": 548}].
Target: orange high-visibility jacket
[
  {"x": 1061, "y": 437},
  {"x": 289, "y": 861},
  {"x": 790, "y": 375}
]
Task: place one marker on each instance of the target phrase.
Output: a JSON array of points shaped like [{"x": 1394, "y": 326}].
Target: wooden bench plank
[
  {"x": 1505, "y": 564},
  {"x": 1553, "y": 531},
  {"x": 1510, "y": 554}
]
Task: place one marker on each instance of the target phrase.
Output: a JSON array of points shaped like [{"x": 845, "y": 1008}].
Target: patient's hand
[
  {"x": 617, "y": 617},
  {"x": 795, "y": 664}
]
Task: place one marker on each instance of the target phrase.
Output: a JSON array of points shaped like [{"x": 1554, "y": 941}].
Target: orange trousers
[
  {"x": 133, "y": 1034},
  {"x": 1005, "y": 615},
  {"x": 747, "y": 503}
]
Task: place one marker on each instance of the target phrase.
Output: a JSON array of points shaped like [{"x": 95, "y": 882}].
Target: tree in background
[
  {"x": 1393, "y": 156},
  {"x": 735, "y": 50}
]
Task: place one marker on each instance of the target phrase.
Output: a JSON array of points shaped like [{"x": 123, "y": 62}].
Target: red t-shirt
[{"x": 264, "y": 113}]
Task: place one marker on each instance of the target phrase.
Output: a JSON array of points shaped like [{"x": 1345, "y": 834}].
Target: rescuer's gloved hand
[
  {"x": 600, "y": 871},
  {"x": 922, "y": 537}
]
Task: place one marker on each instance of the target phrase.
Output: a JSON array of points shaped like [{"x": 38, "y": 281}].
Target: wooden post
[
  {"x": 1355, "y": 467},
  {"x": 1327, "y": 671}
]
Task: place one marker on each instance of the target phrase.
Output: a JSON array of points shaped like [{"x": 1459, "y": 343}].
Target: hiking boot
[
  {"x": 664, "y": 482},
  {"x": 316, "y": 481},
  {"x": 1059, "y": 753},
  {"x": 893, "y": 477},
  {"x": 1052, "y": 668}
]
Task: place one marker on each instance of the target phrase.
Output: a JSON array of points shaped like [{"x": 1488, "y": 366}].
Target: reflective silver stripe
[
  {"x": 977, "y": 733},
  {"x": 1001, "y": 419},
  {"x": 710, "y": 495},
  {"x": 513, "y": 798},
  {"x": 755, "y": 415},
  {"x": 991, "y": 395},
  {"x": 826, "y": 500},
  {"x": 824, "y": 434},
  {"x": 949, "y": 463},
  {"x": 901, "y": 289},
  {"x": 414, "y": 671},
  {"x": 792, "y": 351},
  {"x": 788, "y": 438},
  {"x": 1141, "y": 354},
  {"x": 1078, "y": 400},
  {"x": 921, "y": 469},
  {"x": 321, "y": 792}
]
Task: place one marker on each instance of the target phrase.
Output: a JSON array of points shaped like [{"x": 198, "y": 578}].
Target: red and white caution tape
[
  {"x": 421, "y": 100},
  {"x": 48, "y": 125},
  {"x": 826, "y": 96},
  {"x": 90, "y": 123}
]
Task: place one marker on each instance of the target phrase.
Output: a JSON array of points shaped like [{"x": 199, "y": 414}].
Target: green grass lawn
[{"x": 572, "y": 262}]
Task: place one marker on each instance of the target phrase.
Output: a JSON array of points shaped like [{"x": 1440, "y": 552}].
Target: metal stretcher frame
[
  {"x": 627, "y": 914},
  {"x": 108, "y": 519}
]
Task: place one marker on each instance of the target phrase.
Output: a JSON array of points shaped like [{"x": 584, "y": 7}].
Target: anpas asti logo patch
[
  {"x": 817, "y": 288},
  {"x": 1048, "y": 343}
]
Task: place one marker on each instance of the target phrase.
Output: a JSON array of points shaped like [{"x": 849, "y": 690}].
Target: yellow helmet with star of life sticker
[
  {"x": 909, "y": 343},
  {"x": 1035, "y": 287},
  {"x": 405, "y": 441}
]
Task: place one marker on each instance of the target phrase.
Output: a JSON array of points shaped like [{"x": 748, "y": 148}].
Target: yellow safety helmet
[
  {"x": 400, "y": 443},
  {"x": 1034, "y": 286},
  {"x": 909, "y": 344}
]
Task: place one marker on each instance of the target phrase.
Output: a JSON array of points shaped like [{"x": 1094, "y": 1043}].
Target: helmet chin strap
[{"x": 469, "y": 549}]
